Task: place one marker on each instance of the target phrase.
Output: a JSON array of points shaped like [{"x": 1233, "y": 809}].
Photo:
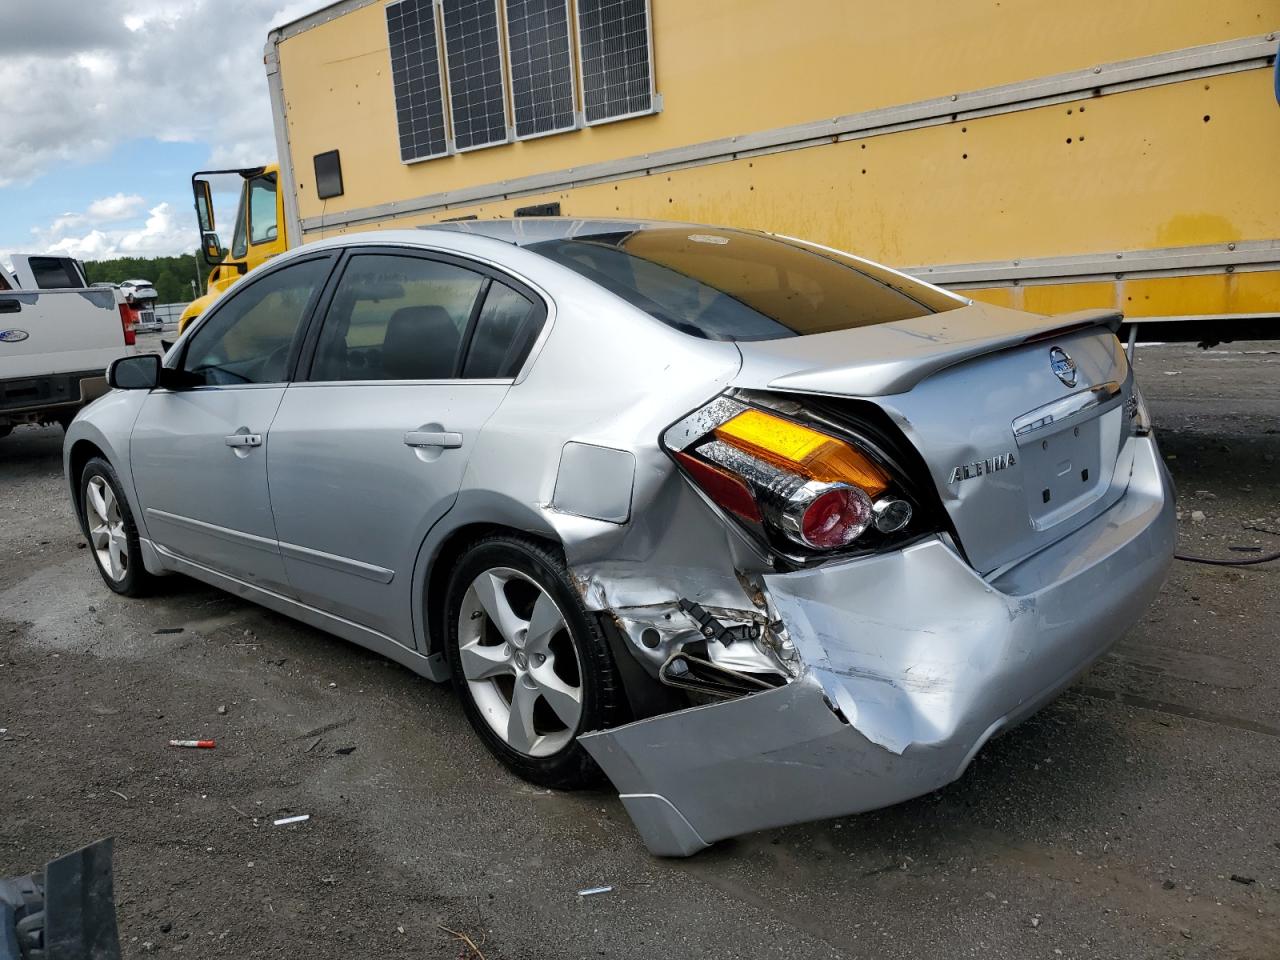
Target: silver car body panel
[{"x": 894, "y": 668}]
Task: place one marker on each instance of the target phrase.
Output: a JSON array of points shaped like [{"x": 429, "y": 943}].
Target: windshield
[{"x": 722, "y": 284}]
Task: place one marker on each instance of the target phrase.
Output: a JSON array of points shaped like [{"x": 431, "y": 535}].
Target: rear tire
[
  {"x": 109, "y": 526},
  {"x": 529, "y": 661}
]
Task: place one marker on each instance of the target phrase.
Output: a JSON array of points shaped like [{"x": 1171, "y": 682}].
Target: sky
[{"x": 108, "y": 106}]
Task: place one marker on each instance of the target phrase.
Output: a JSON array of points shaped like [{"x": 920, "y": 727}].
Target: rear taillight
[
  {"x": 128, "y": 318},
  {"x": 789, "y": 481}
]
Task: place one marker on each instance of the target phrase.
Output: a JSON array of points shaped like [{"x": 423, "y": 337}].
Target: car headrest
[{"x": 421, "y": 344}]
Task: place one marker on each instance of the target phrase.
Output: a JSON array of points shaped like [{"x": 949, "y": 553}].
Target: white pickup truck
[{"x": 57, "y": 336}]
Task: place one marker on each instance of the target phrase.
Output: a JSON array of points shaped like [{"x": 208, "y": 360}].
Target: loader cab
[{"x": 257, "y": 231}]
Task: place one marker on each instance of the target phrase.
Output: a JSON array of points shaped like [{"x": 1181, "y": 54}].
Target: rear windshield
[
  {"x": 53, "y": 273},
  {"x": 733, "y": 285}
]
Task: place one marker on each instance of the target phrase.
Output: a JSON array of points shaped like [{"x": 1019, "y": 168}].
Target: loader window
[
  {"x": 262, "y": 210},
  {"x": 733, "y": 285}
]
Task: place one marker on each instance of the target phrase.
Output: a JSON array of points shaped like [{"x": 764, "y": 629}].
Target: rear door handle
[
  {"x": 243, "y": 440},
  {"x": 433, "y": 438},
  {"x": 10, "y": 306}
]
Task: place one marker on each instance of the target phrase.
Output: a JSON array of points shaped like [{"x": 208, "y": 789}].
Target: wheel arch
[
  {"x": 78, "y": 456},
  {"x": 471, "y": 519}
]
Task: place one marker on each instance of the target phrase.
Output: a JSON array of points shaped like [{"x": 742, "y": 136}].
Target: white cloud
[
  {"x": 117, "y": 70},
  {"x": 86, "y": 236},
  {"x": 117, "y": 207}
]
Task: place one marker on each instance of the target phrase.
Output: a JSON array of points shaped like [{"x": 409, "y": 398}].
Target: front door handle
[
  {"x": 433, "y": 438},
  {"x": 243, "y": 440},
  {"x": 10, "y": 306}
]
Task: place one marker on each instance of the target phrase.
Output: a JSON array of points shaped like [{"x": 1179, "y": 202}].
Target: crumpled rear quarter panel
[{"x": 913, "y": 662}]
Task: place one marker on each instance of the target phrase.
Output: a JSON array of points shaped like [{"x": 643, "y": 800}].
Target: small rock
[
  {"x": 81, "y": 545},
  {"x": 1247, "y": 881},
  {"x": 166, "y": 927},
  {"x": 345, "y": 751},
  {"x": 1197, "y": 516},
  {"x": 1185, "y": 933},
  {"x": 1169, "y": 885},
  {"x": 1035, "y": 921},
  {"x": 222, "y": 709}
]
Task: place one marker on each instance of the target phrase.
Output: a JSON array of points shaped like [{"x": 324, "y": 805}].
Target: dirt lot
[{"x": 1138, "y": 816}]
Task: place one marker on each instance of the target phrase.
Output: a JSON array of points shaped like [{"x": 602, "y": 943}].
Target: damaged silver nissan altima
[{"x": 763, "y": 531}]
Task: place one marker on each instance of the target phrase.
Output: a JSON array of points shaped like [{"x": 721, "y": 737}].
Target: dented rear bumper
[{"x": 911, "y": 663}]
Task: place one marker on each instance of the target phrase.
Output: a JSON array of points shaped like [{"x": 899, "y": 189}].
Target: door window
[
  {"x": 262, "y": 210},
  {"x": 247, "y": 339},
  {"x": 505, "y": 330},
  {"x": 396, "y": 318}
]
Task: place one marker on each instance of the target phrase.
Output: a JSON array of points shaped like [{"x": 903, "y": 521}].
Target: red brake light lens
[
  {"x": 723, "y": 487},
  {"x": 128, "y": 316},
  {"x": 835, "y": 518}
]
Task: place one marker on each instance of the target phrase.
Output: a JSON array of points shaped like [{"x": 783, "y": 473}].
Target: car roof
[{"x": 522, "y": 231}]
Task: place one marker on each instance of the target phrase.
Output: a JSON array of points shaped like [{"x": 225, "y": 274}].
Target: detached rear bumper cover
[{"x": 922, "y": 661}]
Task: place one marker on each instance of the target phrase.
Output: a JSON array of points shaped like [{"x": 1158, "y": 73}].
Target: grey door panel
[
  {"x": 353, "y": 498},
  {"x": 205, "y": 498}
]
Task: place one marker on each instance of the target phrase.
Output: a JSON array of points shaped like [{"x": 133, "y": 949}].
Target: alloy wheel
[
  {"x": 106, "y": 528},
  {"x": 520, "y": 662}
]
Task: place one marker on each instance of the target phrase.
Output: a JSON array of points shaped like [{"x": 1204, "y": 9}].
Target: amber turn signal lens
[{"x": 802, "y": 450}]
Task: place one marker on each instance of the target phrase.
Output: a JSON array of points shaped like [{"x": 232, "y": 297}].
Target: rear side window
[
  {"x": 54, "y": 273},
  {"x": 396, "y": 318},
  {"x": 505, "y": 330},
  {"x": 722, "y": 284}
]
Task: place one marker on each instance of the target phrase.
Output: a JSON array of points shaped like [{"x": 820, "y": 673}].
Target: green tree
[{"x": 171, "y": 276}]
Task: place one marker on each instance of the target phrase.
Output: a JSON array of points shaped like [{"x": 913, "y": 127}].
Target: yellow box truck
[{"x": 1117, "y": 155}]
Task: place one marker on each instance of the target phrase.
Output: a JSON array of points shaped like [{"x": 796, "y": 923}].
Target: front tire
[
  {"x": 109, "y": 526},
  {"x": 529, "y": 662}
]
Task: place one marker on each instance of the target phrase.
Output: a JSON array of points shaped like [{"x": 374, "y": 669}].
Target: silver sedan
[{"x": 758, "y": 530}]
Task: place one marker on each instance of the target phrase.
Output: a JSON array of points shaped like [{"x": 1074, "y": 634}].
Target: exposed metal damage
[{"x": 850, "y": 686}]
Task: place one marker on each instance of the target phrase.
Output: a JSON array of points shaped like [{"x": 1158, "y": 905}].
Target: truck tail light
[
  {"x": 789, "y": 480},
  {"x": 128, "y": 318}
]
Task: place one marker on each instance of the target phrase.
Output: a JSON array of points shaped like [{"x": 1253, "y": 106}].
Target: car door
[
  {"x": 199, "y": 453},
  {"x": 368, "y": 451}
]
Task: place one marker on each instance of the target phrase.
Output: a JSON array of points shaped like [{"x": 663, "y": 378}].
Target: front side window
[
  {"x": 262, "y": 210},
  {"x": 396, "y": 318},
  {"x": 721, "y": 284},
  {"x": 247, "y": 339}
]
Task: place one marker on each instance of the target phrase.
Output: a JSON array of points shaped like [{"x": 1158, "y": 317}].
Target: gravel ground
[{"x": 1135, "y": 817}]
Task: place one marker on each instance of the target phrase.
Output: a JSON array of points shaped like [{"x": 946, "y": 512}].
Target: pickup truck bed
[{"x": 55, "y": 346}]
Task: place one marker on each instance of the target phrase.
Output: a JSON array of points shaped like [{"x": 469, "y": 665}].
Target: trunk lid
[{"x": 1019, "y": 455}]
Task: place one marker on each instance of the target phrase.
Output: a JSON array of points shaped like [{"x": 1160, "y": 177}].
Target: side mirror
[
  {"x": 141, "y": 372},
  {"x": 204, "y": 205},
  {"x": 214, "y": 252}
]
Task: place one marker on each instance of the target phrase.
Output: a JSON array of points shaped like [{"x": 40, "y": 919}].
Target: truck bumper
[
  {"x": 912, "y": 663},
  {"x": 48, "y": 398}
]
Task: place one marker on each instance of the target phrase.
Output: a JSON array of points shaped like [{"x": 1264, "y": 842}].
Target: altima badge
[
  {"x": 1061, "y": 363},
  {"x": 967, "y": 471}
]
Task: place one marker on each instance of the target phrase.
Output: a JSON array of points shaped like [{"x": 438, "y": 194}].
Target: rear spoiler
[{"x": 892, "y": 358}]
